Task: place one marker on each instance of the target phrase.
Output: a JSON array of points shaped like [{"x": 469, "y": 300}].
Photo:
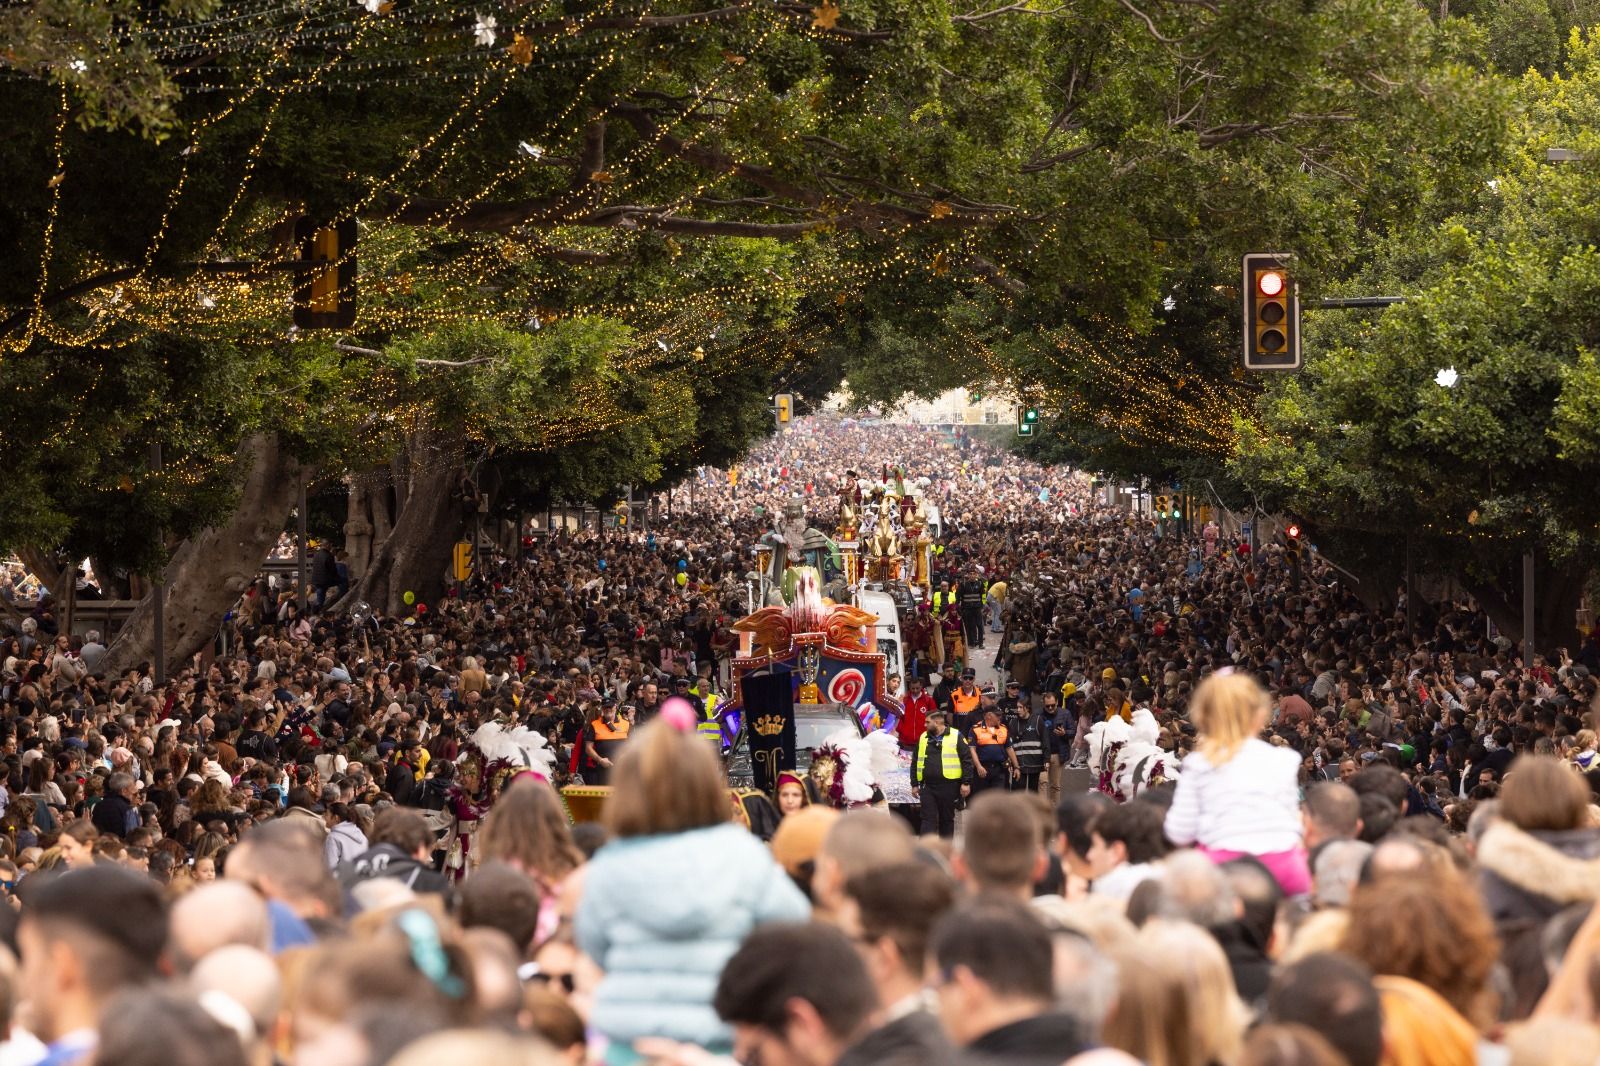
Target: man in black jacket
[
  {"x": 401, "y": 847},
  {"x": 971, "y": 601},
  {"x": 997, "y": 986},
  {"x": 890, "y": 916},
  {"x": 114, "y": 813},
  {"x": 795, "y": 993},
  {"x": 401, "y": 780}
]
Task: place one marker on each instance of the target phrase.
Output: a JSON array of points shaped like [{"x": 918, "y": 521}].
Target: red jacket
[{"x": 914, "y": 719}]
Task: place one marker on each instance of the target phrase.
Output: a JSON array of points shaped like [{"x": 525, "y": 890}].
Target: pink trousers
[{"x": 1289, "y": 868}]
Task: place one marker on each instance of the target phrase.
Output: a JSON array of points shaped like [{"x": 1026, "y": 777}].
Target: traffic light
[
  {"x": 1162, "y": 503},
  {"x": 783, "y": 406},
  {"x": 461, "y": 558},
  {"x": 1027, "y": 421},
  {"x": 1271, "y": 313},
  {"x": 1293, "y": 546},
  {"x": 325, "y": 295}
]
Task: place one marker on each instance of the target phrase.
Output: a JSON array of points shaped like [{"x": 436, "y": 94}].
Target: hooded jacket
[
  {"x": 387, "y": 860},
  {"x": 662, "y": 914},
  {"x": 1536, "y": 873}
]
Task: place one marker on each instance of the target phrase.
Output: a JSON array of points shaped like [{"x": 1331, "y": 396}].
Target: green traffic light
[{"x": 1031, "y": 415}]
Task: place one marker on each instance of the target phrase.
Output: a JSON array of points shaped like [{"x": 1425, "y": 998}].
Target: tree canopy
[{"x": 595, "y": 236}]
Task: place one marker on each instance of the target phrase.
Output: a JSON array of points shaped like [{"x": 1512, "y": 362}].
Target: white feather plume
[
  {"x": 885, "y": 755},
  {"x": 521, "y": 745}
]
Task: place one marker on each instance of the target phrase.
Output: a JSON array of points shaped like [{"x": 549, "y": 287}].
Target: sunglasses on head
[{"x": 530, "y": 973}]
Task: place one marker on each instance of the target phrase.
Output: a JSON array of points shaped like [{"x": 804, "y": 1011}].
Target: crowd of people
[{"x": 1364, "y": 842}]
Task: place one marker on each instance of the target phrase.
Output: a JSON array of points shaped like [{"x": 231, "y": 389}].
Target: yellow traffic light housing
[
  {"x": 325, "y": 288},
  {"x": 1271, "y": 313}
]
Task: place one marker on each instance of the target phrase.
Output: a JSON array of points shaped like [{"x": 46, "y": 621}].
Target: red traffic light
[
  {"x": 1293, "y": 531},
  {"x": 1270, "y": 282}
]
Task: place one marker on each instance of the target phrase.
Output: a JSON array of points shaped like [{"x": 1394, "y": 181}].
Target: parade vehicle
[
  {"x": 813, "y": 725},
  {"x": 886, "y": 607}
]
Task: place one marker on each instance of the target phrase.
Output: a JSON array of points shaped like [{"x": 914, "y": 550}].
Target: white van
[{"x": 887, "y": 627}]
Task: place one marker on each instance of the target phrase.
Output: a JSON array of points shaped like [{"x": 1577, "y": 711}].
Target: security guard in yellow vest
[
  {"x": 941, "y": 775},
  {"x": 943, "y": 599},
  {"x": 705, "y": 715}
]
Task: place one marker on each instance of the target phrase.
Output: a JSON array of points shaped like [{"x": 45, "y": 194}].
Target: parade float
[{"x": 810, "y": 682}]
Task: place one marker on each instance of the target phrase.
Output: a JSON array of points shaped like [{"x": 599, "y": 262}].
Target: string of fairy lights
[{"x": 665, "y": 326}]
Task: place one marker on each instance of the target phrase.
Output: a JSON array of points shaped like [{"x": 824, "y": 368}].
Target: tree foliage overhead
[
  {"x": 595, "y": 236},
  {"x": 1465, "y": 420}
]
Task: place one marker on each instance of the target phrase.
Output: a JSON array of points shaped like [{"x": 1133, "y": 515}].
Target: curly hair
[{"x": 1431, "y": 928}]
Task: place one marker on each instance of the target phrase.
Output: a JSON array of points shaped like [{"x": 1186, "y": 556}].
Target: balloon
[
  {"x": 409, "y": 597},
  {"x": 678, "y": 713},
  {"x": 683, "y": 564},
  {"x": 361, "y": 611},
  {"x": 422, "y": 609},
  {"x": 683, "y": 579},
  {"x": 602, "y": 564}
]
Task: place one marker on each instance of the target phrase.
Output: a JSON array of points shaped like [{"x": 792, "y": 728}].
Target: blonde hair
[
  {"x": 666, "y": 781},
  {"x": 1228, "y": 709},
  {"x": 1176, "y": 1004}
]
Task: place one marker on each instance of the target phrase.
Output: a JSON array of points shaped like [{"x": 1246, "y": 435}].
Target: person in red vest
[{"x": 914, "y": 719}]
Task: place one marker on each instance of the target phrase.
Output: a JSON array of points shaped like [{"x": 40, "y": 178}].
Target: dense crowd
[{"x": 1356, "y": 842}]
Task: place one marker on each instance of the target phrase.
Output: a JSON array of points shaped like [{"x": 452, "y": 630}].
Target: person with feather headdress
[
  {"x": 847, "y": 769},
  {"x": 495, "y": 755}
]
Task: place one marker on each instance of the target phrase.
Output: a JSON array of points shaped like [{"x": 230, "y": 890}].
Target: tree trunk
[
  {"x": 413, "y": 557},
  {"x": 358, "y": 526},
  {"x": 112, "y": 586},
  {"x": 1558, "y": 592},
  {"x": 210, "y": 571}
]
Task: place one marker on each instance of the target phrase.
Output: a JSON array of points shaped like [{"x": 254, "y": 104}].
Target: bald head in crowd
[
  {"x": 858, "y": 842},
  {"x": 248, "y": 977},
  {"x": 214, "y": 916}
]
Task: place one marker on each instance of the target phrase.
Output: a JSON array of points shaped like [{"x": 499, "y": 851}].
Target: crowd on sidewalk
[{"x": 1372, "y": 844}]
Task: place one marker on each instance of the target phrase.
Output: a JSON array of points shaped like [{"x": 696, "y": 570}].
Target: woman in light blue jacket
[{"x": 671, "y": 898}]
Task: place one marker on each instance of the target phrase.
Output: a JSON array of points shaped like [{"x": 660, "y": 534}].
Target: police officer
[
  {"x": 991, "y": 744},
  {"x": 964, "y": 703},
  {"x": 603, "y": 739},
  {"x": 941, "y": 774}
]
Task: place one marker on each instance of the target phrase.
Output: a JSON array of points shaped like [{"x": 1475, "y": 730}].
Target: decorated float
[{"x": 812, "y": 654}]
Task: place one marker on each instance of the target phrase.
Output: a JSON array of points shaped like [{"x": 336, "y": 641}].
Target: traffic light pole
[
  {"x": 1527, "y": 610},
  {"x": 1337, "y": 302}
]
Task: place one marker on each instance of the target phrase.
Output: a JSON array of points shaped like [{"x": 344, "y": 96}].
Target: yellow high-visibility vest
[{"x": 949, "y": 757}]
